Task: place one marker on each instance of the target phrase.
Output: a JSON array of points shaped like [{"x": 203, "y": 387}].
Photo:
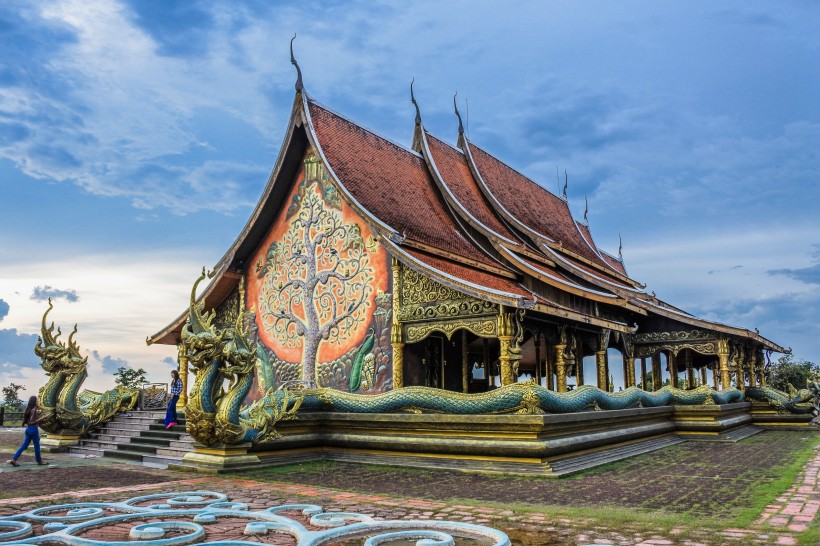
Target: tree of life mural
[{"x": 317, "y": 278}]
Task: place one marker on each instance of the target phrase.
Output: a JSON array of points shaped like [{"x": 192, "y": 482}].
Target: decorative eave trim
[
  {"x": 562, "y": 284},
  {"x": 483, "y": 292},
  {"x": 412, "y": 243},
  {"x": 716, "y": 326},
  {"x": 553, "y": 310},
  {"x": 453, "y": 200}
]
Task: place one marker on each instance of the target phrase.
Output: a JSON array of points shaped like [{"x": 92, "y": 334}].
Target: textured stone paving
[{"x": 780, "y": 523}]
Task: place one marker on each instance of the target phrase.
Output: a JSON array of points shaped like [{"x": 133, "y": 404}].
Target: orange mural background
[{"x": 377, "y": 276}]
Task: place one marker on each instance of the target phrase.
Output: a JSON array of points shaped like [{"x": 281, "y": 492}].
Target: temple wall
[{"x": 318, "y": 288}]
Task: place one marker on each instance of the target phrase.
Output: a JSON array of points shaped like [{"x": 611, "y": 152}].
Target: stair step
[
  {"x": 164, "y": 434},
  {"x": 570, "y": 465},
  {"x": 133, "y": 446},
  {"x": 158, "y": 442},
  {"x": 138, "y": 436}
]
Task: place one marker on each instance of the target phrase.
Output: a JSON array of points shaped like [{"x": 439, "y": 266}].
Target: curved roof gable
[
  {"x": 392, "y": 183},
  {"x": 532, "y": 205},
  {"x": 456, "y": 176}
]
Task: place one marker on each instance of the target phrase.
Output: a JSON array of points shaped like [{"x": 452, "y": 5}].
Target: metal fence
[{"x": 10, "y": 418}]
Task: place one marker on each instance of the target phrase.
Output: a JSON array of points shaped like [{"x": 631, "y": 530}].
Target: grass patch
[{"x": 767, "y": 492}]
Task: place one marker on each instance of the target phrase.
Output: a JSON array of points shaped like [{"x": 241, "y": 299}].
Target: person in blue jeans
[
  {"x": 30, "y": 420},
  {"x": 176, "y": 389}
]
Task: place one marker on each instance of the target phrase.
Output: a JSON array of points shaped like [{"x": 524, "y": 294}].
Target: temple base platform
[
  {"x": 59, "y": 442},
  {"x": 770, "y": 418},
  {"x": 551, "y": 445}
]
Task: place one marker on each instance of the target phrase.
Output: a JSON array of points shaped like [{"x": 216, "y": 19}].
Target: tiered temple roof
[{"x": 462, "y": 217}]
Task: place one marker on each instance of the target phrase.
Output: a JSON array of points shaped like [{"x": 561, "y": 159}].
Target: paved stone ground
[{"x": 780, "y": 523}]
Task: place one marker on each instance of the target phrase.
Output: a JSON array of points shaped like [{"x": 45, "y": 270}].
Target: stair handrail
[{"x": 154, "y": 396}]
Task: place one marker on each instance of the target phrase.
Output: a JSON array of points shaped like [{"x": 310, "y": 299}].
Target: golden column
[
  {"x": 739, "y": 363},
  {"x": 673, "y": 369},
  {"x": 600, "y": 367},
  {"x": 703, "y": 378},
  {"x": 690, "y": 370},
  {"x": 396, "y": 335},
  {"x": 560, "y": 369},
  {"x": 723, "y": 359},
  {"x": 643, "y": 372},
  {"x": 465, "y": 364},
  {"x": 182, "y": 358},
  {"x": 504, "y": 328},
  {"x": 601, "y": 364},
  {"x": 715, "y": 375},
  {"x": 629, "y": 369},
  {"x": 761, "y": 369},
  {"x": 657, "y": 375},
  {"x": 750, "y": 366}
]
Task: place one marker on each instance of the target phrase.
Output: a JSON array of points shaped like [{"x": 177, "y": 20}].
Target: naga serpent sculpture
[
  {"x": 64, "y": 407},
  {"x": 216, "y": 415},
  {"x": 801, "y": 401},
  {"x": 520, "y": 398}
]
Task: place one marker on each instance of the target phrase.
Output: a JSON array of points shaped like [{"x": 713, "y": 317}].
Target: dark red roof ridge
[
  {"x": 464, "y": 189},
  {"x": 369, "y": 167},
  {"x": 373, "y": 132}
]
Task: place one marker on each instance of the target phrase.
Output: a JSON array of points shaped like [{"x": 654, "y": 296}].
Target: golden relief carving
[
  {"x": 425, "y": 299},
  {"x": 707, "y": 348},
  {"x": 228, "y": 311},
  {"x": 479, "y": 326},
  {"x": 683, "y": 335}
]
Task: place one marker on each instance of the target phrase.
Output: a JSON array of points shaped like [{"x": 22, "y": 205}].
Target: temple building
[{"x": 369, "y": 266}]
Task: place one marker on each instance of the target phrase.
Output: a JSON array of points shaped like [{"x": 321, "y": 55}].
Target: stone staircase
[{"x": 138, "y": 436}]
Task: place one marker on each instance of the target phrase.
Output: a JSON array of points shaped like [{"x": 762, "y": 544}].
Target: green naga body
[
  {"x": 60, "y": 397},
  {"x": 801, "y": 401},
  {"x": 203, "y": 347},
  {"x": 522, "y": 398}
]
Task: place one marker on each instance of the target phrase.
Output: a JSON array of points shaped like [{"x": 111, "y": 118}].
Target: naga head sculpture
[
  {"x": 76, "y": 362},
  {"x": 200, "y": 337},
  {"x": 53, "y": 353},
  {"x": 238, "y": 354}
]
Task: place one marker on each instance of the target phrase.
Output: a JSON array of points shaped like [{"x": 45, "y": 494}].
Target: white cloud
[{"x": 125, "y": 298}]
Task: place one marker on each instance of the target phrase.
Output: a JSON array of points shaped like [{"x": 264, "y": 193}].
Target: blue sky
[{"x": 135, "y": 138}]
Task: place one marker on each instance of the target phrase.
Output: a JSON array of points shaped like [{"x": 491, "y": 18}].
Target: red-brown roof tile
[
  {"x": 615, "y": 264},
  {"x": 456, "y": 175},
  {"x": 471, "y": 275},
  {"x": 531, "y": 204},
  {"x": 391, "y": 182}
]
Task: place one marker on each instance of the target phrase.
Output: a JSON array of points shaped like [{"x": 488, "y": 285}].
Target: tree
[
  {"x": 316, "y": 278},
  {"x": 11, "y": 398},
  {"x": 130, "y": 378},
  {"x": 786, "y": 371}
]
